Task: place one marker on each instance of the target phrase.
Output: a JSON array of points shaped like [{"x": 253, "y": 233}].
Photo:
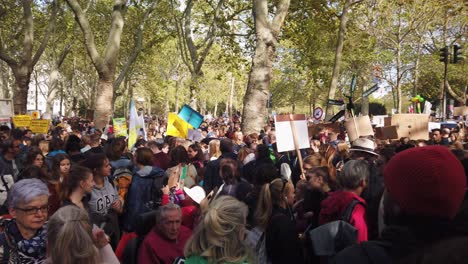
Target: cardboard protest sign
[
  {"x": 40, "y": 126},
  {"x": 284, "y": 132},
  {"x": 120, "y": 126},
  {"x": 176, "y": 126},
  {"x": 331, "y": 127},
  {"x": 389, "y": 132},
  {"x": 413, "y": 126},
  {"x": 379, "y": 120},
  {"x": 460, "y": 111},
  {"x": 22, "y": 120},
  {"x": 358, "y": 127},
  {"x": 191, "y": 116}
]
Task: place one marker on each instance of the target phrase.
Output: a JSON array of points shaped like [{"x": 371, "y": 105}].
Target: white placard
[
  {"x": 284, "y": 135},
  {"x": 433, "y": 125}
]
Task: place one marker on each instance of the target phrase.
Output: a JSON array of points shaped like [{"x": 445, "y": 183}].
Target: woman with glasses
[{"x": 23, "y": 239}]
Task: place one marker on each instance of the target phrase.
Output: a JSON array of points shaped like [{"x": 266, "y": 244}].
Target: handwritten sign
[
  {"x": 22, "y": 120},
  {"x": 40, "y": 126}
]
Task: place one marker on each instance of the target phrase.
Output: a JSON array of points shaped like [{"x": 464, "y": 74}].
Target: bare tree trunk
[
  {"x": 338, "y": 56},
  {"x": 256, "y": 96}
]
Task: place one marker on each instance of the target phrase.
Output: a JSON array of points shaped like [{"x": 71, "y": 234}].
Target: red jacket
[
  {"x": 334, "y": 207},
  {"x": 156, "y": 249}
]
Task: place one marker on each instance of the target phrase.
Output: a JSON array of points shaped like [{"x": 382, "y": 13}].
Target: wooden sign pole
[{"x": 296, "y": 145}]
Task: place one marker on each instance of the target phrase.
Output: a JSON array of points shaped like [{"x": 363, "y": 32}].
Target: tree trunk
[
  {"x": 166, "y": 102},
  {"x": 103, "y": 109},
  {"x": 231, "y": 94},
  {"x": 215, "y": 111},
  {"x": 398, "y": 80},
  {"x": 256, "y": 96},
  {"x": 20, "y": 97},
  {"x": 105, "y": 65},
  {"x": 338, "y": 56}
]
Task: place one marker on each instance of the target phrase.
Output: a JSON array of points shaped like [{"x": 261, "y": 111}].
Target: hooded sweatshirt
[{"x": 334, "y": 207}]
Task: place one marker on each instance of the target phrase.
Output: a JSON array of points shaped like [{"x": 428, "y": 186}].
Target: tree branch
[
  {"x": 47, "y": 34},
  {"x": 88, "y": 34},
  {"x": 5, "y": 57},
  {"x": 138, "y": 47},
  {"x": 113, "y": 42},
  {"x": 28, "y": 33},
  {"x": 281, "y": 12}
]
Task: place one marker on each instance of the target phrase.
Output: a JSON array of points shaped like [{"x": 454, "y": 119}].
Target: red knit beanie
[{"x": 426, "y": 181}]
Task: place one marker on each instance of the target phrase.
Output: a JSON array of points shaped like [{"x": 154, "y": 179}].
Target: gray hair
[
  {"x": 354, "y": 171},
  {"x": 24, "y": 191},
  {"x": 161, "y": 213}
]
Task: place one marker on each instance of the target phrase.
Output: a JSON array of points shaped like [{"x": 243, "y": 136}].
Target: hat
[
  {"x": 426, "y": 181},
  {"x": 364, "y": 145},
  {"x": 196, "y": 193}
]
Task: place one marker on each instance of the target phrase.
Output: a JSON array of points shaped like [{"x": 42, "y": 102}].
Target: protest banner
[
  {"x": 22, "y": 120},
  {"x": 378, "y": 120},
  {"x": 120, "y": 126},
  {"x": 176, "y": 126},
  {"x": 191, "y": 116},
  {"x": 460, "y": 111},
  {"x": 358, "y": 127},
  {"x": 413, "y": 126},
  {"x": 39, "y": 126}
]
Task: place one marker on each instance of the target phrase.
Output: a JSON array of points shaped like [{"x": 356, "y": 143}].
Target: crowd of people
[{"x": 78, "y": 195}]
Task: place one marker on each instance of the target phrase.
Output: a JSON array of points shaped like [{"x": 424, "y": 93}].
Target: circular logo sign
[{"x": 318, "y": 113}]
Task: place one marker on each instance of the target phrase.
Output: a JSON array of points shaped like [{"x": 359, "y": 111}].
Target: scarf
[{"x": 34, "y": 248}]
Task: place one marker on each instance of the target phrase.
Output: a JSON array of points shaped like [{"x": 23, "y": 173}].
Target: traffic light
[
  {"x": 444, "y": 54},
  {"x": 457, "y": 54}
]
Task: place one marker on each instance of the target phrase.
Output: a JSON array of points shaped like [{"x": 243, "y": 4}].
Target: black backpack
[{"x": 330, "y": 238}]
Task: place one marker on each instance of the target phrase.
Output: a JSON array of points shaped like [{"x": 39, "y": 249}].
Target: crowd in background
[{"x": 80, "y": 195}]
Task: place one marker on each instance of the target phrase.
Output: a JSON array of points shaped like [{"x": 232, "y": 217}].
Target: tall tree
[
  {"x": 104, "y": 65},
  {"x": 22, "y": 63},
  {"x": 339, "y": 51},
  {"x": 192, "y": 51},
  {"x": 267, "y": 32}
]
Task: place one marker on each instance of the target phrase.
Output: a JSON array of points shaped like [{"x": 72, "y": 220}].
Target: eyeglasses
[{"x": 34, "y": 210}]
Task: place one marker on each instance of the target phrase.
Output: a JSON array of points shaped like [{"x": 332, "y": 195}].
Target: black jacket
[{"x": 212, "y": 178}]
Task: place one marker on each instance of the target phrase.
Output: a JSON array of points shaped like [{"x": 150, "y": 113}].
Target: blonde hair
[
  {"x": 69, "y": 237},
  {"x": 215, "y": 150},
  {"x": 44, "y": 146},
  {"x": 272, "y": 193},
  {"x": 314, "y": 160},
  {"x": 217, "y": 237}
]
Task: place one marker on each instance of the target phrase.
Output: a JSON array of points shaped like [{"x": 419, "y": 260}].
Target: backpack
[
  {"x": 144, "y": 194},
  {"x": 122, "y": 180},
  {"x": 330, "y": 238}
]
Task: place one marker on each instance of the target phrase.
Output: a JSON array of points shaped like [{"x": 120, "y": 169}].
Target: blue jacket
[{"x": 143, "y": 195}]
